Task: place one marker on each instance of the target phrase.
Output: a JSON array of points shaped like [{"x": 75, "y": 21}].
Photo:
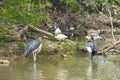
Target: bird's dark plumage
[{"x": 33, "y": 45}]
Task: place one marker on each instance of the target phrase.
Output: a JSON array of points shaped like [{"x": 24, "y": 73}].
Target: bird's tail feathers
[{"x": 26, "y": 53}]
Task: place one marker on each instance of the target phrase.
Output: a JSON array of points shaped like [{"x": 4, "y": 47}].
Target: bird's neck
[{"x": 40, "y": 38}]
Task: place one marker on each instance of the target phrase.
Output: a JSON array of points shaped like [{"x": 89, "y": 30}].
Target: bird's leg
[
  {"x": 91, "y": 56},
  {"x": 34, "y": 56}
]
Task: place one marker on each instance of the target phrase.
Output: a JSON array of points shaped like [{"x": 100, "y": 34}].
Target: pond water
[{"x": 74, "y": 68}]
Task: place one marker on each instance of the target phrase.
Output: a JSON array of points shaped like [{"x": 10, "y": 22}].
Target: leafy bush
[
  {"x": 4, "y": 30},
  {"x": 72, "y": 5},
  {"x": 24, "y": 12},
  {"x": 90, "y": 6}
]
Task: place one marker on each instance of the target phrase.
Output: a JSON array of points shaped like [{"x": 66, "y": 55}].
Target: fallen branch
[
  {"x": 39, "y": 30},
  {"x": 110, "y": 47},
  {"x": 47, "y": 33}
]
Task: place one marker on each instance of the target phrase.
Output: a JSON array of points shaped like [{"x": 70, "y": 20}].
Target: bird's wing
[
  {"x": 95, "y": 47},
  {"x": 57, "y": 31},
  {"x": 31, "y": 46},
  {"x": 90, "y": 44}
]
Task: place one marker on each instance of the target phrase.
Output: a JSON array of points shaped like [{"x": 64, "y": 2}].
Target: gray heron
[{"x": 33, "y": 47}]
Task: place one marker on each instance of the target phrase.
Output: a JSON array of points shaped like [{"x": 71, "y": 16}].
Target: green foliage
[
  {"x": 80, "y": 43},
  {"x": 114, "y": 2},
  {"x": 32, "y": 34},
  {"x": 117, "y": 16},
  {"x": 4, "y": 30},
  {"x": 73, "y": 5},
  {"x": 23, "y": 12},
  {"x": 4, "y": 39},
  {"x": 70, "y": 48},
  {"x": 90, "y": 6},
  {"x": 3, "y": 43},
  {"x": 21, "y": 45},
  {"x": 4, "y": 36},
  {"x": 52, "y": 38}
]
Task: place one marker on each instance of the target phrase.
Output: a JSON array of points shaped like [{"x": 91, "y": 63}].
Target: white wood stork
[
  {"x": 57, "y": 31},
  {"x": 61, "y": 37}
]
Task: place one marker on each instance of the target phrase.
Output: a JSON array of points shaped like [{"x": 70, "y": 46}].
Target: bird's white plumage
[
  {"x": 38, "y": 49},
  {"x": 89, "y": 50},
  {"x": 58, "y": 31},
  {"x": 61, "y": 37},
  {"x": 94, "y": 37},
  {"x": 88, "y": 37},
  {"x": 72, "y": 28}
]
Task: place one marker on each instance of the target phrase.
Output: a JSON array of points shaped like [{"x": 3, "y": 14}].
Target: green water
[{"x": 74, "y": 68}]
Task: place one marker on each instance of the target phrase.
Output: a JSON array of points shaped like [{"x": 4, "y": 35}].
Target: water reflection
[
  {"x": 35, "y": 72},
  {"x": 91, "y": 71},
  {"x": 78, "y": 68},
  {"x": 62, "y": 74},
  {"x": 32, "y": 73}
]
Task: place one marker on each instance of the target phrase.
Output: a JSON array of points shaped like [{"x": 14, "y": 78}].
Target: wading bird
[
  {"x": 91, "y": 48},
  {"x": 91, "y": 44},
  {"x": 33, "y": 47}
]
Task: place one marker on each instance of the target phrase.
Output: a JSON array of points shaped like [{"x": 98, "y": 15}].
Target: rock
[{"x": 4, "y": 62}]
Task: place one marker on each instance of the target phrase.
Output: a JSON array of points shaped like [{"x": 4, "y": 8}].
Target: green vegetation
[
  {"x": 80, "y": 43},
  {"x": 4, "y": 37},
  {"x": 21, "y": 45},
  {"x": 32, "y": 34},
  {"x": 4, "y": 30},
  {"x": 90, "y": 6},
  {"x": 70, "y": 49},
  {"x": 3, "y": 43},
  {"x": 35, "y": 12},
  {"x": 24, "y": 12},
  {"x": 38, "y": 11},
  {"x": 4, "y": 40},
  {"x": 117, "y": 16}
]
